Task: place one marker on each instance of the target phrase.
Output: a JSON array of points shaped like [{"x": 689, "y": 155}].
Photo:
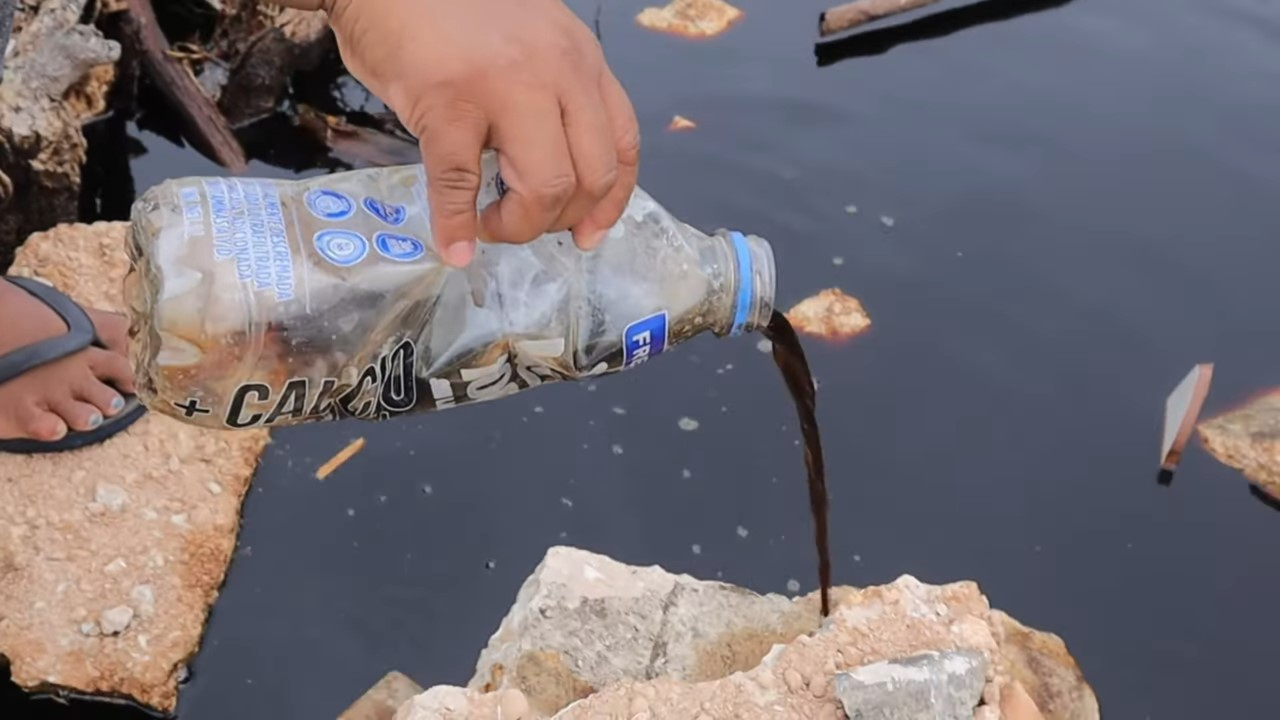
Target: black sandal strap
[{"x": 79, "y": 335}]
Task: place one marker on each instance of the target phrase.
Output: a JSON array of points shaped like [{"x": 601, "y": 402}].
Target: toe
[
  {"x": 78, "y": 415},
  {"x": 111, "y": 368},
  {"x": 36, "y": 423},
  {"x": 94, "y": 392},
  {"x": 112, "y": 329}
]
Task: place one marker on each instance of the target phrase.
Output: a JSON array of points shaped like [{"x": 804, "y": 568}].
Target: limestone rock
[
  {"x": 1248, "y": 439},
  {"x": 445, "y": 702},
  {"x": 584, "y": 621},
  {"x": 382, "y": 700},
  {"x": 831, "y": 315},
  {"x": 1039, "y": 661},
  {"x": 589, "y": 637},
  {"x": 89, "y": 530},
  {"x": 928, "y": 686}
]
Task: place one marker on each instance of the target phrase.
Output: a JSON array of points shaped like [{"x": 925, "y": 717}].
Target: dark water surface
[{"x": 1085, "y": 205}]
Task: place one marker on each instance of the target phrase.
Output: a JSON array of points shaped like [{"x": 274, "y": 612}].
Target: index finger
[{"x": 451, "y": 149}]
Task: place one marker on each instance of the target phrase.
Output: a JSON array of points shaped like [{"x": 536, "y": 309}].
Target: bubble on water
[
  {"x": 886, "y": 221},
  {"x": 851, "y": 209},
  {"x": 616, "y": 448},
  {"x": 765, "y": 346},
  {"x": 857, "y": 558},
  {"x": 351, "y": 512},
  {"x": 427, "y": 489},
  {"x": 537, "y": 408},
  {"x": 567, "y": 502},
  {"x": 382, "y": 498},
  {"x": 686, "y": 473},
  {"x": 742, "y": 532},
  {"x": 687, "y": 424},
  {"x": 697, "y": 549},
  {"x": 837, "y": 260},
  {"x": 619, "y": 410},
  {"x": 793, "y": 586},
  {"x": 591, "y": 387}
]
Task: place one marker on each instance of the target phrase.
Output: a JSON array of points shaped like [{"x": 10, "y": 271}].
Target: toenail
[
  {"x": 95, "y": 420},
  {"x": 117, "y": 403}
]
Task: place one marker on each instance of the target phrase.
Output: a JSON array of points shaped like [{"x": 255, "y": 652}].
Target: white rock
[{"x": 116, "y": 620}]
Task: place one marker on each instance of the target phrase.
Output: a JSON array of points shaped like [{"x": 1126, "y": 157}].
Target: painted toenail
[
  {"x": 117, "y": 403},
  {"x": 95, "y": 420}
]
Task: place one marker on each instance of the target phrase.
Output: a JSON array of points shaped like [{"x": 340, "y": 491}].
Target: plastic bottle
[{"x": 261, "y": 302}]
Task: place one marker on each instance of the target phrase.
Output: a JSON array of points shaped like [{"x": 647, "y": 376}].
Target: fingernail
[
  {"x": 591, "y": 239},
  {"x": 95, "y": 420},
  {"x": 117, "y": 403},
  {"x": 459, "y": 254}
]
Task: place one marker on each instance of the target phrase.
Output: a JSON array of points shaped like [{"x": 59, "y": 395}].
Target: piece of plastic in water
[
  {"x": 697, "y": 19},
  {"x": 1181, "y": 410}
]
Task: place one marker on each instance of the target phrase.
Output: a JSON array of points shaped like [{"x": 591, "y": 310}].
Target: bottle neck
[{"x": 754, "y": 282}]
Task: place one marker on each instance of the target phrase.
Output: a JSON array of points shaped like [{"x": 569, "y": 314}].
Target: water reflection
[{"x": 930, "y": 27}]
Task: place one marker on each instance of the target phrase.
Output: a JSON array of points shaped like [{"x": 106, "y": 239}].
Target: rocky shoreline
[{"x": 589, "y": 637}]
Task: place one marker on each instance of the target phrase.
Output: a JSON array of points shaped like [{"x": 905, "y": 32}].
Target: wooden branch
[
  {"x": 860, "y": 12},
  {"x": 208, "y": 129}
]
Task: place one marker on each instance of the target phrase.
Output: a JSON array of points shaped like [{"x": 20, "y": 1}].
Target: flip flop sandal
[{"x": 80, "y": 335}]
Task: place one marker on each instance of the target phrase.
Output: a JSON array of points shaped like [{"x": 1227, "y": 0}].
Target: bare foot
[{"x": 73, "y": 392}]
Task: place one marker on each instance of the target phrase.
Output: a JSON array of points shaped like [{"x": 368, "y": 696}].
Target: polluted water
[{"x": 263, "y": 303}]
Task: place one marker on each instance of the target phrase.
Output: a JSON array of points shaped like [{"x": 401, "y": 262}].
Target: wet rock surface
[
  {"x": 1248, "y": 439},
  {"x": 945, "y": 686},
  {"x": 589, "y": 637},
  {"x": 111, "y": 555}
]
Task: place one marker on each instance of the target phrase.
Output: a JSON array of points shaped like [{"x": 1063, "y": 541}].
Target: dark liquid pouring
[{"x": 789, "y": 357}]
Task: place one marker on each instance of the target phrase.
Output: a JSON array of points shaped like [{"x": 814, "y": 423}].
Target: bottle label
[
  {"x": 246, "y": 219},
  {"x": 644, "y": 339}
]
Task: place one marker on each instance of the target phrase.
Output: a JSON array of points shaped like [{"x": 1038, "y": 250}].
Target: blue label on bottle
[
  {"x": 343, "y": 248},
  {"x": 401, "y": 248},
  {"x": 643, "y": 339},
  {"x": 329, "y": 204},
  {"x": 389, "y": 213}
]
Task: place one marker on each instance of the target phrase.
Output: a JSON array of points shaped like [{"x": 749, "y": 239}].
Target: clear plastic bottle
[{"x": 260, "y": 302}]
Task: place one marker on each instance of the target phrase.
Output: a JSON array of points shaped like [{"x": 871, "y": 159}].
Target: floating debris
[
  {"x": 697, "y": 549},
  {"x": 851, "y": 209},
  {"x": 697, "y": 19},
  {"x": 566, "y": 502},
  {"x": 1248, "y": 439},
  {"x": 426, "y": 489},
  {"x": 887, "y": 221},
  {"x": 687, "y": 424},
  {"x": 742, "y": 532},
  {"x": 490, "y": 564},
  {"x": 337, "y": 461},
  {"x": 837, "y": 260},
  {"x": 680, "y": 123},
  {"x": 619, "y": 410},
  {"x": 1181, "y": 410},
  {"x": 351, "y": 512},
  {"x": 830, "y": 315},
  {"x": 616, "y": 448},
  {"x": 764, "y": 346},
  {"x": 537, "y": 408},
  {"x": 686, "y": 473}
]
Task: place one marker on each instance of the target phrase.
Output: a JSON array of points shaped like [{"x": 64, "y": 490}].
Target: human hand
[{"x": 524, "y": 77}]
